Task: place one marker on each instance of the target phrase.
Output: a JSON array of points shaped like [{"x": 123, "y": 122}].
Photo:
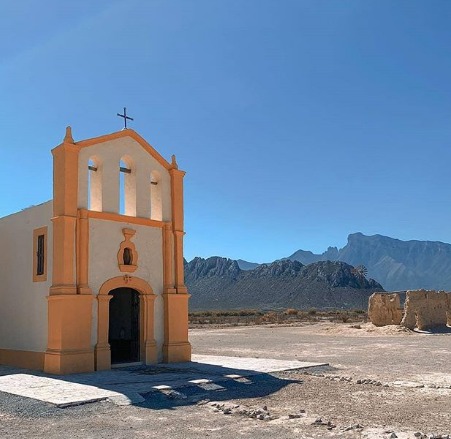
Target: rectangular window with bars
[{"x": 40, "y": 254}]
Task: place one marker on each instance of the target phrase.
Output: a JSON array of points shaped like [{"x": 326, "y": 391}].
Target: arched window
[
  {"x": 94, "y": 184},
  {"x": 156, "y": 208},
  {"x": 127, "y": 189}
]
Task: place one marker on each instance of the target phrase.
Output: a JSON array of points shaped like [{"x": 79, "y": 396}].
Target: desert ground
[{"x": 380, "y": 383}]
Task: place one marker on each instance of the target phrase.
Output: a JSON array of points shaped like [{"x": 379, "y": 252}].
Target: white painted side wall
[
  {"x": 105, "y": 238},
  {"x": 108, "y": 155},
  {"x": 23, "y": 303}
]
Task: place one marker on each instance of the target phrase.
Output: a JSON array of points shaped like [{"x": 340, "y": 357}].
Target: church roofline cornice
[{"x": 118, "y": 135}]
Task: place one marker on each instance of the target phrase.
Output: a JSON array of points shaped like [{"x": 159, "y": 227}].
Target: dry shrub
[
  {"x": 270, "y": 317},
  {"x": 345, "y": 317},
  {"x": 288, "y": 315}
]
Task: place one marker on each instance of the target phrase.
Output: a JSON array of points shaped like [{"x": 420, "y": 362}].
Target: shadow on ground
[
  {"x": 153, "y": 387},
  {"x": 223, "y": 384},
  {"x": 435, "y": 330}
]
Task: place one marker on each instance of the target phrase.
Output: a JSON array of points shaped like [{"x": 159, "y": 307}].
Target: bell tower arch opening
[
  {"x": 95, "y": 184},
  {"x": 156, "y": 202},
  {"x": 127, "y": 190}
]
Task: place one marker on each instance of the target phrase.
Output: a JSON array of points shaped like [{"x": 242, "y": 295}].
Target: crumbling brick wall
[
  {"x": 425, "y": 309},
  {"x": 384, "y": 309}
]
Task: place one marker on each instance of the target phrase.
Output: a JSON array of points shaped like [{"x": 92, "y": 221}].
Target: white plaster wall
[
  {"x": 109, "y": 154},
  {"x": 105, "y": 238},
  {"x": 23, "y": 303}
]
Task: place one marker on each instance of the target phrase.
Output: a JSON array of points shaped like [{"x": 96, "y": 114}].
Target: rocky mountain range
[
  {"x": 397, "y": 265},
  {"x": 218, "y": 283},
  {"x": 305, "y": 279}
]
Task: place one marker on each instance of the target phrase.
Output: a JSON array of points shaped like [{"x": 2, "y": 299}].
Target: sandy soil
[
  {"x": 384, "y": 353},
  {"x": 406, "y": 375},
  {"x": 406, "y": 390}
]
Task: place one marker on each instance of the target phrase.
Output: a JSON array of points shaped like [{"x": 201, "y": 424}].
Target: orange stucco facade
[{"x": 79, "y": 297}]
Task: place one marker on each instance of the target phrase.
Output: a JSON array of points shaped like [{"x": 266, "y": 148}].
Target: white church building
[{"x": 95, "y": 276}]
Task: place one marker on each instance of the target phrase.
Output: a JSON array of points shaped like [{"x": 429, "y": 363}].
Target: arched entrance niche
[
  {"x": 123, "y": 330},
  {"x": 147, "y": 345}
]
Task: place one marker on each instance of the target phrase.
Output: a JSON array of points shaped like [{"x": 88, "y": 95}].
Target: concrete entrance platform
[{"x": 125, "y": 386}]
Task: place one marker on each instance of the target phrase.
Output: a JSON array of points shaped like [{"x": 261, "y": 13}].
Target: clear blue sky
[{"x": 298, "y": 122}]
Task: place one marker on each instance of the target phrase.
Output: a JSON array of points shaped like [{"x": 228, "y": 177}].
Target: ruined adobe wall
[
  {"x": 426, "y": 309},
  {"x": 385, "y": 309},
  {"x": 423, "y": 309}
]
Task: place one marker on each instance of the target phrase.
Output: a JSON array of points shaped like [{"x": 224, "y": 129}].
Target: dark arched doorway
[{"x": 123, "y": 334}]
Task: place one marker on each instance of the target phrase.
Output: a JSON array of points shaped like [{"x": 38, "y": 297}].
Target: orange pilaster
[
  {"x": 69, "y": 334},
  {"x": 83, "y": 252},
  {"x": 63, "y": 276},
  {"x": 177, "y": 226},
  {"x": 102, "y": 351},
  {"x": 168, "y": 265},
  {"x": 65, "y": 177},
  {"x": 176, "y": 347},
  {"x": 69, "y": 312},
  {"x": 149, "y": 347},
  {"x": 65, "y": 189}
]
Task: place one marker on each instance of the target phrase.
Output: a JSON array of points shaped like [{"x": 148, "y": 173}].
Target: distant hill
[
  {"x": 396, "y": 264},
  {"x": 219, "y": 283},
  {"x": 245, "y": 265},
  {"x": 307, "y": 257}
]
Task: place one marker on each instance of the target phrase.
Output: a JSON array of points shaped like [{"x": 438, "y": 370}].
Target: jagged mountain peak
[
  {"x": 361, "y": 238},
  {"x": 218, "y": 283},
  {"x": 339, "y": 274},
  {"x": 213, "y": 266},
  {"x": 396, "y": 264},
  {"x": 281, "y": 267}
]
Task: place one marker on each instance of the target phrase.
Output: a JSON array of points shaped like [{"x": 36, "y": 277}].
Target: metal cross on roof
[{"x": 125, "y": 117}]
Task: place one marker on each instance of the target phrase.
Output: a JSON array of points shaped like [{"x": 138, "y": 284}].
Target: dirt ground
[
  {"x": 406, "y": 375},
  {"x": 388, "y": 353},
  {"x": 381, "y": 383}
]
